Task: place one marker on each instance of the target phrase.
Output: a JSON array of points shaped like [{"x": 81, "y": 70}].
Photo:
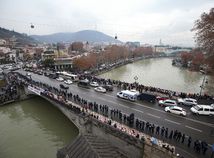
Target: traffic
[{"x": 182, "y": 106}]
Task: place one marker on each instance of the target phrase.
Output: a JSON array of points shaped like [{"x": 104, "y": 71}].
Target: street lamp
[
  {"x": 135, "y": 78},
  {"x": 205, "y": 81}
]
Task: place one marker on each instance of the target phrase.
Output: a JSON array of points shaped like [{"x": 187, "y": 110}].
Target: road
[{"x": 198, "y": 127}]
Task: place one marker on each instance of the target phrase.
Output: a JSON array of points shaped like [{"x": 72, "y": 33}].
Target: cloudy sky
[{"x": 146, "y": 21}]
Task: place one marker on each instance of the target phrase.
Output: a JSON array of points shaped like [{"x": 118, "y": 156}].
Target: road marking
[
  {"x": 172, "y": 121},
  {"x": 121, "y": 105},
  {"x": 193, "y": 128},
  {"x": 153, "y": 115}
]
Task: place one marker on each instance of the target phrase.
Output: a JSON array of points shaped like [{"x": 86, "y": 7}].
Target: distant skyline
[{"x": 146, "y": 21}]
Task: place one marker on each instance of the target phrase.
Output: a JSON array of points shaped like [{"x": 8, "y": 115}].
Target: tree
[
  {"x": 185, "y": 58},
  {"x": 48, "y": 62},
  {"x": 204, "y": 28}
]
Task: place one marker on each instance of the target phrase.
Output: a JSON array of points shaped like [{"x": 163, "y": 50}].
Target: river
[
  {"x": 159, "y": 72},
  {"x": 33, "y": 129}
]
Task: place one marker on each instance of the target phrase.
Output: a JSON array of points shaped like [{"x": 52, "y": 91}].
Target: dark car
[
  {"x": 63, "y": 87},
  {"x": 147, "y": 97},
  {"x": 108, "y": 87}
]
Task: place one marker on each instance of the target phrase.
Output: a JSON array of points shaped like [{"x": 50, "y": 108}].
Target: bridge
[{"x": 97, "y": 136}]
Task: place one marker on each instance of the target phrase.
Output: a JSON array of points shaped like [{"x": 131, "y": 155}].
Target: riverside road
[{"x": 198, "y": 127}]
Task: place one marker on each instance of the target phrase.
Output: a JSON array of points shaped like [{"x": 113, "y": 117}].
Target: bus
[
  {"x": 83, "y": 83},
  {"x": 66, "y": 75}
]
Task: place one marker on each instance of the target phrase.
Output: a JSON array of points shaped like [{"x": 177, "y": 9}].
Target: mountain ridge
[
  {"x": 21, "y": 37},
  {"x": 81, "y": 36}
]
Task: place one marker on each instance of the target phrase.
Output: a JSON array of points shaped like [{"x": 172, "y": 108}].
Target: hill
[
  {"x": 85, "y": 35},
  {"x": 20, "y": 38}
]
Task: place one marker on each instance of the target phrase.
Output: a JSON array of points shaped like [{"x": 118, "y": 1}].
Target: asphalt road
[{"x": 198, "y": 127}]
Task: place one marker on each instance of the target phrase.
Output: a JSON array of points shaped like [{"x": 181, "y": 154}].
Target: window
[
  {"x": 200, "y": 109},
  {"x": 211, "y": 110},
  {"x": 206, "y": 109}
]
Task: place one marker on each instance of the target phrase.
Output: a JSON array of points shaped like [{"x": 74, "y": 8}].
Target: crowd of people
[{"x": 9, "y": 92}]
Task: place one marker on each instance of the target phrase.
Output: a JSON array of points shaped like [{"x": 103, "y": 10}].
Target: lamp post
[
  {"x": 205, "y": 81},
  {"x": 135, "y": 78}
]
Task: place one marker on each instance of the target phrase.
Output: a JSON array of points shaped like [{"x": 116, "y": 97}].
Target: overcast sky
[{"x": 146, "y": 21}]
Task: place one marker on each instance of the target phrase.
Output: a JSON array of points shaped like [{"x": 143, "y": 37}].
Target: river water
[
  {"x": 159, "y": 72},
  {"x": 33, "y": 129}
]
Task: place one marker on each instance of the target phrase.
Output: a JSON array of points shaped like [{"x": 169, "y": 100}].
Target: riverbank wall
[{"x": 107, "y": 69}]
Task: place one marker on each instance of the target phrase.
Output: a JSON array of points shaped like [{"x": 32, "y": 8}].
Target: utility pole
[{"x": 203, "y": 84}]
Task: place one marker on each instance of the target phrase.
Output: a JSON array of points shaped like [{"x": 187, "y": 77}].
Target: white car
[
  {"x": 100, "y": 89},
  {"x": 167, "y": 102},
  {"x": 203, "y": 109},
  {"x": 60, "y": 79},
  {"x": 68, "y": 82},
  {"x": 94, "y": 84},
  {"x": 187, "y": 101},
  {"x": 28, "y": 74},
  {"x": 176, "y": 110}
]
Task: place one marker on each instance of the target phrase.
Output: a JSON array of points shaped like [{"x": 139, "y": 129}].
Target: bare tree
[{"x": 204, "y": 28}]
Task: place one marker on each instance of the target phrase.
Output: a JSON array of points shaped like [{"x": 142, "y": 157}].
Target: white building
[{"x": 2, "y": 42}]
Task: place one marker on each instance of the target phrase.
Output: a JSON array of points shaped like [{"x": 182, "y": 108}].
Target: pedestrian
[
  {"x": 175, "y": 134},
  {"x": 166, "y": 133},
  {"x": 183, "y": 138},
  {"x": 178, "y": 136},
  {"x": 204, "y": 147},
  {"x": 157, "y": 130},
  {"x": 171, "y": 134},
  {"x": 189, "y": 141},
  {"x": 162, "y": 131}
]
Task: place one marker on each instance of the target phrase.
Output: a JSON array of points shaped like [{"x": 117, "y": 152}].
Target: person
[
  {"x": 166, "y": 133},
  {"x": 171, "y": 134},
  {"x": 157, "y": 130},
  {"x": 189, "y": 141},
  {"x": 162, "y": 131},
  {"x": 183, "y": 138},
  {"x": 204, "y": 146}
]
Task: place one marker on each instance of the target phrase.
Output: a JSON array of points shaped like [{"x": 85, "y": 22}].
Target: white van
[
  {"x": 203, "y": 110},
  {"x": 129, "y": 95}
]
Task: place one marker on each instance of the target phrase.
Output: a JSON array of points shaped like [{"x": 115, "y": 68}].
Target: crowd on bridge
[{"x": 149, "y": 128}]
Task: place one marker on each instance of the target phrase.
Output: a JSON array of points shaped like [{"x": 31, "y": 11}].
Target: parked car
[
  {"x": 176, "y": 110},
  {"x": 63, "y": 87},
  {"x": 100, "y": 89},
  {"x": 94, "y": 84},
  {"x": 158, "y": 98},
  {"x": 187, "y": 101},
  {"x": 28, "y": 74},
  {"x": 167, "y": 102},
  {"x": 108, "y": 87},
  {"x": 147, "y": 97},
  {"x": 60, "y": 79},
  {"x": 202, "y": 109},
  {"x": 68, "y": 82}
]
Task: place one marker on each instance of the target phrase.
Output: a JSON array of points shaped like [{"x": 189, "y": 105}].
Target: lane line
[
  {"x": 153, "y": 115},
  {"x": 177, "y": 123},
  {"x": 120, "y": 105},
  {"x": 193, "y": 128}
]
